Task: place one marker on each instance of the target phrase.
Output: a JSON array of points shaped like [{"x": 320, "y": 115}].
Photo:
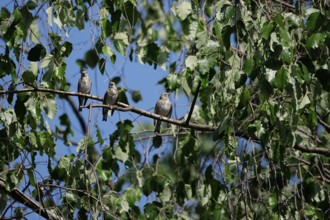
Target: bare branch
[
  {"x": 120, "y": 107},
  {"x": 19, "y": 196},
  {"x": 193, "y": 102},
  {"x": 125, "y": 108},
  {"x": 316, "y": 150}
]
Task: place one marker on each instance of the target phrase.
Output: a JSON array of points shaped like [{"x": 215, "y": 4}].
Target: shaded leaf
[
  {"x": 36, "y": 53},
  {"x": 136, "y": 96}
]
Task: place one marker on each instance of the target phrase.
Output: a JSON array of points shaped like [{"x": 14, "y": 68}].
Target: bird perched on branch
[
  {"x": 110, "y": 98},
  {"x": 163, "y": 107},
  {"x": 84, "y": 86}
]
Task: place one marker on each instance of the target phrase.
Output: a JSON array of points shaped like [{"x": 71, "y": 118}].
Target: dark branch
[
  {"x": 316, "y": 150},
  {"x": 123, "y": 107},
  {"x": 78, "y": 115},
  {"x": 127, "y": 108},
  {"x": 19, "y": 196},
  {"x": 193, "y": 102},
  {"x": 120, "y": 107}
]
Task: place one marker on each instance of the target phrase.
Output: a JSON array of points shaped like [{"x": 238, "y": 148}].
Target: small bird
[
  {"x": 84, "y": 86},
  {"x": 163, "y": 107},
  {"x": 110, "y": 98}
]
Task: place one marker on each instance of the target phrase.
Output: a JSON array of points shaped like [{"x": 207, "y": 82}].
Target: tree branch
[
  {"x": 124, "y": 107},
  {"x": 193, "y": 102},
  {"x": 19, "y": 196},
  {"x": 120, "y": 107},
  {"x": 127, "y": 108},
  {"x": 316, "y": 150}
]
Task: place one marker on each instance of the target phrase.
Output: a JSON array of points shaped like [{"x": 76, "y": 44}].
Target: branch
[
  {"x": 291, "y": 7},
  {"x": 124, "y": 107},
  {"x": 120, "y": 107},
  {"x": 325, "y": 125},
  {"x": 127, "y": 108},
  {"x": 53, "y": 91},
  {"x": 19, "y": 196},
  {"x": 316, "y": 150},
  {"x": 76, "y": 112},
  {"x": 193, "y": 102}
]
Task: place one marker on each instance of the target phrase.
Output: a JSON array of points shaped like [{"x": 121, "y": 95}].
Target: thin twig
[
  {"x": 193, "y": 102},
  {"x": 19, "y": 196}
]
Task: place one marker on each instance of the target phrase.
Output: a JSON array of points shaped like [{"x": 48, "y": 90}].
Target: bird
[
  {"x": 84, "y": 86},
  {"x": 110, "y": 98},
  {"x": 163, "y": 107}
]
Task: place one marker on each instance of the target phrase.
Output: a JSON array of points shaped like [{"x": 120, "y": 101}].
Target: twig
[
  {"x": 317, "y": 150},
  {"x": 193, "y": 102},
  {"x": 19, "y": 196},
  {"x": 76, "y": 112}
]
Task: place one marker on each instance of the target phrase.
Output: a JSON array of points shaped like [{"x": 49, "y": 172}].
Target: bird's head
[
  {"x": 112, "y": 85},
  {"x": 84, "y": 73},
  {"x": 164, "y": 95}
]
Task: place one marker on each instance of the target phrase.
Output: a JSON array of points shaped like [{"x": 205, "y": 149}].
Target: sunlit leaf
[{"x": 184, "y": 10}]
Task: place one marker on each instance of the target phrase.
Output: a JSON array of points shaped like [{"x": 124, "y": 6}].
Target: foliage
[{"x": 264, "y": 80}]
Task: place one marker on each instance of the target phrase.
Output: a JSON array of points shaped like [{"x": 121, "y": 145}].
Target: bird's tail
[
  {"x": 157, "y": 127},
  {"x": 105, "y": 114}
]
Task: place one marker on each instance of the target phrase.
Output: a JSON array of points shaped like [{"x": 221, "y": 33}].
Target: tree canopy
[{"x": 254, "y": 143}]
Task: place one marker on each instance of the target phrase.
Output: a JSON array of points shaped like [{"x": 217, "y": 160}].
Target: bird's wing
[
  {"x": 78, "y": 85},
  {"x": 170, "y": 111},
  {"x": 156, "y": 110},
  {"x": 105, "y": 96},
  {"x": 117, "y": 96},
  {"x": 90, "y": 87}
]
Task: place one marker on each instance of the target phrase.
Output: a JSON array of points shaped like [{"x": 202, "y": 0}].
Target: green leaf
[
  {"x": 136, "y": 96},
  {"x": 157, "y": 141},
  {"x": 49, "y": 12},
  {"x": 28, "y": 77},
  {"x": 47, "y": 60},
  {"x": 34, "y": 68},
  {"x": 267, "y": 29},
  {"x": 304, "y": 101},
  {"x": 91, "y": 58},
  {"x": 132, "y": 195},
  {"x": 281, "y": 78},
  {"x": 173, "y": 81},
  {"x": 122, "y": 96},
  {"x": 121, "y": 155},
  {"x": 226, "y": 13},
  {"x": 35, "y": 34},
  {"x": 109, "y": 52},
  {"x": 17, "y": 16},
  {"x": 31, "y": 176},
  {"x": 66, "y": 48},
  {"x": 50, "y": 108},
  {"x": 98, "y": 134},
  {"x": 80, "y": 23},
  {"x": 36, "y": 53},
  {"x": 106, "y": 28},
  {"x": 31, "y": 5},
  {"x": 191, "y": 62},
  {"x": 313, "y": 19},
  {"x": 184, "y": 10},
  {"x": 20, "y": 109},
  {"x": 248, "y": 66},
  {"x": 285, "y": 37},
  {"x": 316, "y": 40},
  {"x": 131, "y": 13},
  {"x": 120, "y": 41},
  {"x": 101, "y": 65}
]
